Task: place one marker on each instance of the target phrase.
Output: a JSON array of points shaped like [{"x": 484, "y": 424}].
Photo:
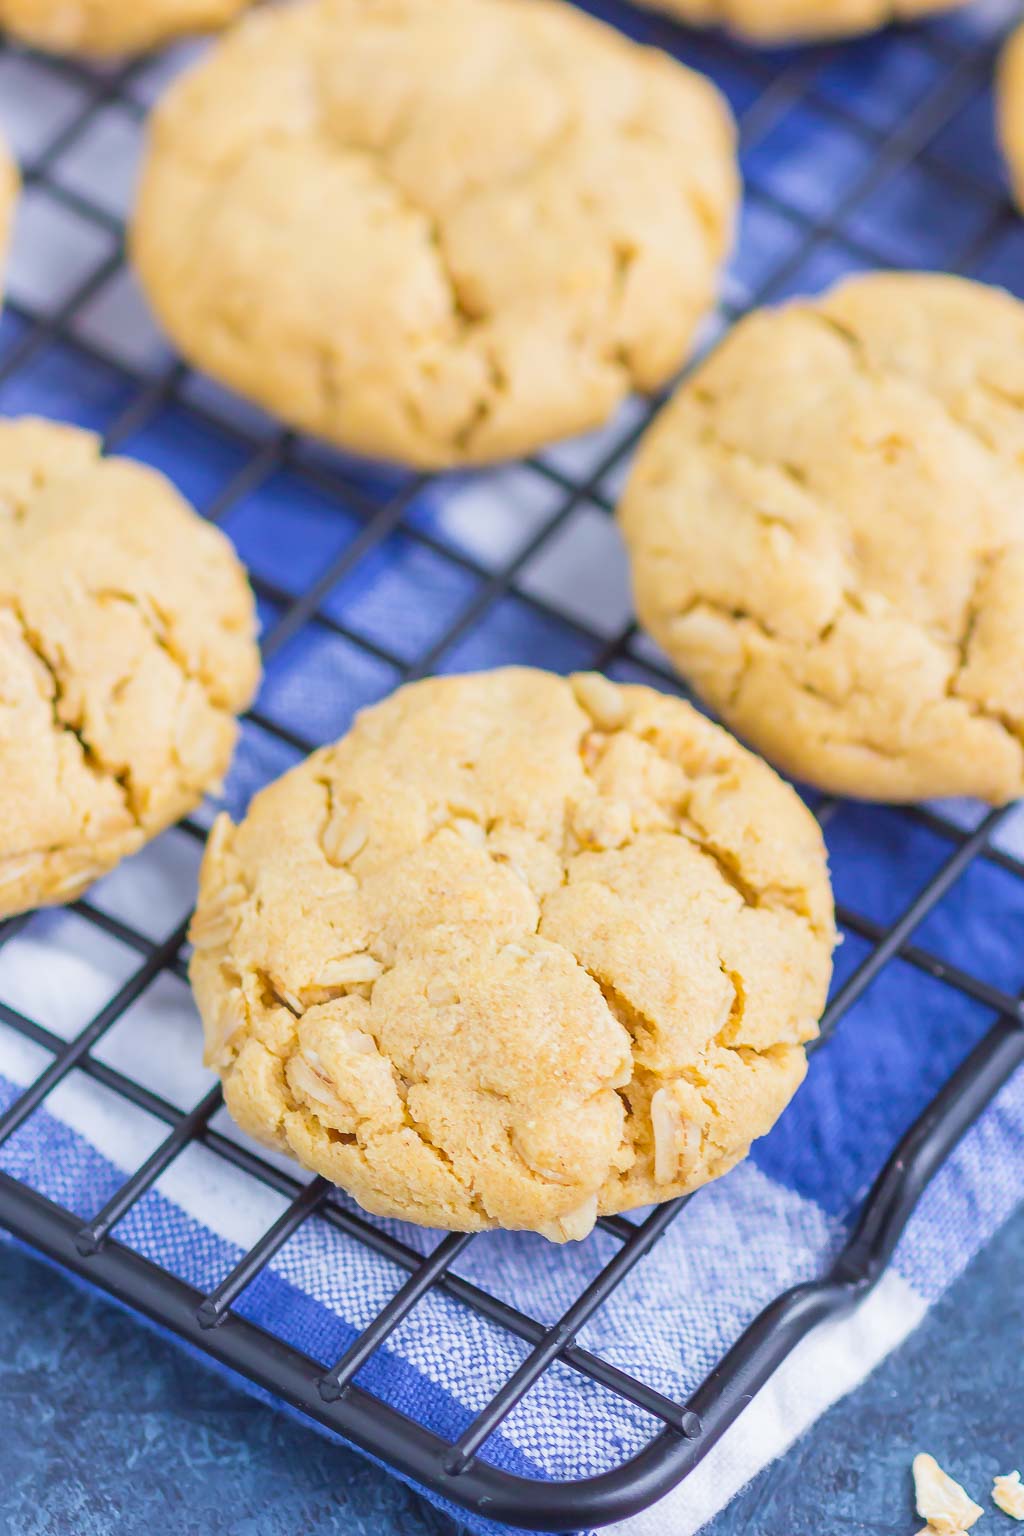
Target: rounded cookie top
[
  {"x": 126, "y": 647},
  {"x": 517, "y": 950},
  {"x": 109, "y": 27},
  {"x": 783, "y": 21},
  {"x": 439, "y": 231},
  {"x": 827, "y": 533}
]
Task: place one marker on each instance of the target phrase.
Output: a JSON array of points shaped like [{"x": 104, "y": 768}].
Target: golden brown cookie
[
  {"x": 8, "y": 197},
  {"x": 827, "y": 533},
  {"x": 109, "y": 27},
  {"x": 789, "y": 21},
  {"x": 126, "y": 649},
  {"x": 517, "y": 950},
  {"x": 1010, "y": 110},
  {"x": 437, "y": 231}
]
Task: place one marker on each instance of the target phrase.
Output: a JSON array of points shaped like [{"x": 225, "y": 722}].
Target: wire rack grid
[{"x": 877, "y": 154}]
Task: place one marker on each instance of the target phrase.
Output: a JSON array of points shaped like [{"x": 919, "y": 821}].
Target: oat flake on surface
[
  {"x": 947, "y": 1507},
  {"x": 1008, "y": 1493}
]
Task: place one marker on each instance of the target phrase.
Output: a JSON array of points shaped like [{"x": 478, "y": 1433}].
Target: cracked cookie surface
[
  {"x": 103, "y": 28},
  {"x": 126, "y": 649},
  {"x": 517, "y": 950},
  {"x": 826, "y": 527},
  {"x": 440, "y": 231},
  {"x": 786, "y": 21}
]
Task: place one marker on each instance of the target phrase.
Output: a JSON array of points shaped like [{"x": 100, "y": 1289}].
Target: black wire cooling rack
[{"x": 958, "y": 69}]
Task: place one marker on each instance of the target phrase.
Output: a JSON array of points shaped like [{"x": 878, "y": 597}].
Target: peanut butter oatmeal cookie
[
  {"x": 827, "y": 533},
  {"x": 1010, "y": 110},
  {"x": 103, "y": 28},
  {"x": 126, "y": 649},
  {"x": 789, "y": 21},
  {"x": 437, "y": 231},
  {"x": 8, "y": 197},
  {"x": 518, "y": 950}
]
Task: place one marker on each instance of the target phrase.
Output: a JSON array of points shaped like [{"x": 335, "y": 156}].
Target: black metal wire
[{"x": 209, "y": 1321}]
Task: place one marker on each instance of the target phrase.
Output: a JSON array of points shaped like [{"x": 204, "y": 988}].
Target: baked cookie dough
[
  {"x": 126, "y": 649},
  {"x": 517, "y": 950},
  {"x": 103, "y": 28},
  {"x": 827, "y": 533},
  {"x": 435, "y": 231},
  {"x": 1010, "y": 110},
  {"x": 8, "y": 196},
  {"x": 789, "y": 21}
]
